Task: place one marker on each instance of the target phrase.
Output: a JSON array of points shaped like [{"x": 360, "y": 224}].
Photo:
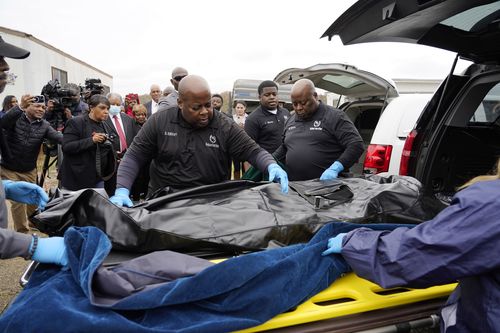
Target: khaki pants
[{"x": 19, "y": 211}]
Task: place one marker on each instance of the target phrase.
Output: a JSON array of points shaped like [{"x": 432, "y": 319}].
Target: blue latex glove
[
  {"x": 332, "y": 172},
  {"x": 51, "y": 251},
  {"x": 25, "y": 192},
  {"x": 334, "y": 244},
  {"x": 121, "y": 197},
  {"x": 277, "y": 173}
]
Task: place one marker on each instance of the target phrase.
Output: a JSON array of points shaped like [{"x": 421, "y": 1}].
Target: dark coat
[
  {"x": 148, "y": 108},
  {"x": 129, "y": 126},
  {"x": 78, "y": 169},
  {"x": 183, "y": 156},
  {"x": 24, "y": 139},
  {"x": 461, "y": 243}
]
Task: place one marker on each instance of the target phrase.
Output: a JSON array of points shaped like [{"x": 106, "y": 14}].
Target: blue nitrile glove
[
  {"x": 277, "y": 173},
  {"x": 25, "y": 192},
  {"x": 334, "y": 244},
  {"x": 121, "y": 197},
  {"x": 51, "y": 251},
  {"x": 332, "y": 172}
]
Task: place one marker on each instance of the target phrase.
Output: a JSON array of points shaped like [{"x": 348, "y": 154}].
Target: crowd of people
[{"x": 181, "y": 139}]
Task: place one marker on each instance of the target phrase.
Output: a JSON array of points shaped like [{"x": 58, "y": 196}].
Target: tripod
[{"x": 53, "y": 154}]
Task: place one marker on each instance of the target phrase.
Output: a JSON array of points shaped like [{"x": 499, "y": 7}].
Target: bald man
[
  {"x": 168, "y": 90},
  {"x": 319, "y": 141},
  {"x": 152, "y": 106},
  {"x": 170, "y": 101},
  {"x": 190, "y": 145}
]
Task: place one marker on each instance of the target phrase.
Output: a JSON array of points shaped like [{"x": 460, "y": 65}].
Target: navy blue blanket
[{"x": 238, "y": 293}]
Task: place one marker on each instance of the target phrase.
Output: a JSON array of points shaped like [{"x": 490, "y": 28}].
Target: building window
[{"x": 60, "y": 75}]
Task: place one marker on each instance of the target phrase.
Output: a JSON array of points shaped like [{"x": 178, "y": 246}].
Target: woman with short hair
[{"x": 84, "y": 137}]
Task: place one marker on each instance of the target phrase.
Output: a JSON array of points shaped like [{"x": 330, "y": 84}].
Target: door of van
[{"x": 366, "y": 93}]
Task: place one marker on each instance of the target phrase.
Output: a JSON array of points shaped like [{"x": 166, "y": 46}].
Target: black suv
[{"x": 458, "y": 135}]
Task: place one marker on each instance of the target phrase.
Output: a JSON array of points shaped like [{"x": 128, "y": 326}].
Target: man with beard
[
  {"x": 266, "y": 123},
  {"x": 190, "y": 146},
  {"x": 319, "y": 141}
]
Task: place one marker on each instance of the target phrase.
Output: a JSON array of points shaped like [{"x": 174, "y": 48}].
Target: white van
[{"x": 383, "y": 154}]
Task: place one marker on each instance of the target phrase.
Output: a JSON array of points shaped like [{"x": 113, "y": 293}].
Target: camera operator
[{"x": 64, "y": 103}]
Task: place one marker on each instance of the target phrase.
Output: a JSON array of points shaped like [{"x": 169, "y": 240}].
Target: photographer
[
  {"x": 84, "y": 144},
  {"x": 64, "y": 103},
  {"x": 25, "y": 131}
]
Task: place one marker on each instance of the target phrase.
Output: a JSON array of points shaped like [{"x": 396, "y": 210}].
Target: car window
[
  {"x": 475, "y": 18},
  {"x": 345, "y": 81},
  {"x": 488, "y": 110}
]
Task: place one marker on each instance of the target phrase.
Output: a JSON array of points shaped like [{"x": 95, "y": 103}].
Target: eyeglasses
[{"x": 179, "y": 78}]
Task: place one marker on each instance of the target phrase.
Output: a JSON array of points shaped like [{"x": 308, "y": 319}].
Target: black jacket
[
  {"x": 266, "y": 128},
  {"x": 311, "y": 146},
  {"x": 130, "y": 128},
  {"x": 183, "y": 156},
  {"x": 24, "y": 139},
  {"x": 78, "y": 169}
]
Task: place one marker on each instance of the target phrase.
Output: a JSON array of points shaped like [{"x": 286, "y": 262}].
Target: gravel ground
[{"x": 12, "y": 269}]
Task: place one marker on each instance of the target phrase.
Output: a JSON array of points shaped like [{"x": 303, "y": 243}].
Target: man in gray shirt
[{"x": 170, "y": 101}]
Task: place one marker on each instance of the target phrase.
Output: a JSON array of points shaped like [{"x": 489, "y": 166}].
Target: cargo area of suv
[{"x": 457, "y": 136}]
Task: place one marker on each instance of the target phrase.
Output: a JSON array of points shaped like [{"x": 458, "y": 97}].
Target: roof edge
[{"x": 47, "y": 45}]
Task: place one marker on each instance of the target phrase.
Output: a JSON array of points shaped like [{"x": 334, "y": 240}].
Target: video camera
[
  {"x": 61, "y": 96},
  {"x": 92, "y": 87}
]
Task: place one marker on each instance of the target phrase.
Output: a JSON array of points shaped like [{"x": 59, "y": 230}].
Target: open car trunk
[
  {"x": 456, "y": 137},
  {"x": 461, "y": 140}
]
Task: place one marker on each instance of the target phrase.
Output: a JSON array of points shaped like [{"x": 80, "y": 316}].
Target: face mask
[{"x": 114, "y": 110}]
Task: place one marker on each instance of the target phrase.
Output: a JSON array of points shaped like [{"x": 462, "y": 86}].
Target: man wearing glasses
[{"x": 170, "y": 101}]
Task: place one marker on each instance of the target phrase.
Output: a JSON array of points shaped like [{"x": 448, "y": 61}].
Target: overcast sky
[{"x": 140, "y": 42}]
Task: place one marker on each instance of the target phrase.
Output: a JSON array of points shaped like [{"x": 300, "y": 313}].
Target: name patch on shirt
[
  {"x": 170, "y": 133},
  {"x": 269, "y": 122}
]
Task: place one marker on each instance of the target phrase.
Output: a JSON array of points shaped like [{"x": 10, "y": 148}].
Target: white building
[{"x": 45, "y": 63}]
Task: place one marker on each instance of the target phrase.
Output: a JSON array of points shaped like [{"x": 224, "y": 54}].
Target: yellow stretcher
[{"x": 354, "y": 298}]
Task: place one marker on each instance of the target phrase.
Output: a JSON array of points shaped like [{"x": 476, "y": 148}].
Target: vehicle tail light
[
  {"x": 378, "y": 158},
  {"x": 406, "y": 154}
]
